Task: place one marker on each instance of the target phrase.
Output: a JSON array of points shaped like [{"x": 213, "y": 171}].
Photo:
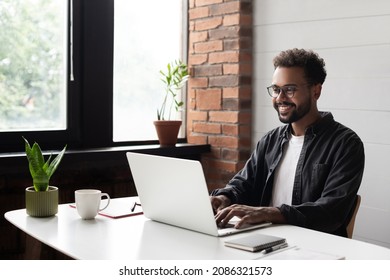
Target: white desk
[{"x": 138, "y": 238}]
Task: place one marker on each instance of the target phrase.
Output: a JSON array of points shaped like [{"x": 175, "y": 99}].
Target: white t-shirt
[{"x": 285, "y": 172}]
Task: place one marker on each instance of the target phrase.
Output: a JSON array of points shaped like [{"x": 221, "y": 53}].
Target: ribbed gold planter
[{"x": 42, "y": 204}]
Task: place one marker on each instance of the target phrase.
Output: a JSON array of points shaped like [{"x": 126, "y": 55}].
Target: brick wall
[{"x": 220, "y": 87}]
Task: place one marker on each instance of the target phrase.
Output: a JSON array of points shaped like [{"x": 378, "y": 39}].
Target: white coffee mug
[{"x": 88, "y": 202}]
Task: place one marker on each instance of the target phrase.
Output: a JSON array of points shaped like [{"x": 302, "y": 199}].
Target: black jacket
[{"x": 327, "y": 179}]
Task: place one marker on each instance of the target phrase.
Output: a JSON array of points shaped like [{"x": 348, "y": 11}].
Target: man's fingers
[{"x": 223, "y": 217}]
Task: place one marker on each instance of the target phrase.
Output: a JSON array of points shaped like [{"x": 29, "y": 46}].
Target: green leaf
[
  {"x": 174, "y": 78},
  {"x": 54, "y": 164},
  {"x": 40, "y": 170}
]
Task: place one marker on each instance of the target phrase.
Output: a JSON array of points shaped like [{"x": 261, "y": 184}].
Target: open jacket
[{"x": 327, "y": 178}]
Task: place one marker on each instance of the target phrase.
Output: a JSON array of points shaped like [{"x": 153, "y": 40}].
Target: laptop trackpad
[
  {"x": 229, "y": 228},
  {"x": 232, "y": 223}
]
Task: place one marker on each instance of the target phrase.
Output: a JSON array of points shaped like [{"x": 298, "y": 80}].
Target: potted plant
[
  {"x": 41, "y": 198},
  {"x": 174, "y": 78}
]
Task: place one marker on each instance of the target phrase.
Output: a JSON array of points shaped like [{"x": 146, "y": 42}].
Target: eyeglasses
[{"x": 288, "y": 91}]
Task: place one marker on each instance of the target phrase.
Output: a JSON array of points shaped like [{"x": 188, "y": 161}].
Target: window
[
  {"x": 147, "y": 35},
  {"x": 32, "y": 65},
  {"x": 63, "y": 90}
]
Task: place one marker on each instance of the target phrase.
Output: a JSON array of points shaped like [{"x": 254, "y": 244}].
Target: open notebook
[{"x": 174, "y": 191}]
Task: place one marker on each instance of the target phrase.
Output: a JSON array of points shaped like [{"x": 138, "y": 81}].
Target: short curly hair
[{"x": 312, "y": 64}]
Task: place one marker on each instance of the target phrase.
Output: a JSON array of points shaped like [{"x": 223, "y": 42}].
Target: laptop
[{"x": 174, "y": 191}]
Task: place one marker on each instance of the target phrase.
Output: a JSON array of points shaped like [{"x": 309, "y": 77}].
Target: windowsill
[
  {"x": 183, "y": 150},
  {"x": 180, "y": 150}
]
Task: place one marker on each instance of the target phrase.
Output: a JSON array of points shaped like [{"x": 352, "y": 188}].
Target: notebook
[
  {"x": 119, "y": 208},
  {"x": 174, "y": 191},
  {"x": 255, "y": 242}
]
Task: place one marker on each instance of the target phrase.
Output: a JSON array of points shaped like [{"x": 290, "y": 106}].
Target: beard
[{"x": 294, "y": 114}]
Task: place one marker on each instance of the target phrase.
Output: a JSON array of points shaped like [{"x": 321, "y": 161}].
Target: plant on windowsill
[
  {"x": 174, "y": 78},
  {"x": 41, "y": 198}
]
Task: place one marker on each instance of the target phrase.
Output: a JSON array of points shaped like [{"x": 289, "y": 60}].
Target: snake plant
[{"x": 41, "y": 170}]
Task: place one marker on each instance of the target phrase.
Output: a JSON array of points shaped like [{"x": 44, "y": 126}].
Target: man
[{"x": 305, "y": 173}]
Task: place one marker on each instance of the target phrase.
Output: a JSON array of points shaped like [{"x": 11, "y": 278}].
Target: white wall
[{"x": 353, "y": 36}]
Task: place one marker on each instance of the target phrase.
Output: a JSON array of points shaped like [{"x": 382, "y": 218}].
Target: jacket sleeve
[{"x": 241, "y": 188}]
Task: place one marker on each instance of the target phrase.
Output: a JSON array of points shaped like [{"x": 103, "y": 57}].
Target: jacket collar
[{"x": 314, "y": 129}]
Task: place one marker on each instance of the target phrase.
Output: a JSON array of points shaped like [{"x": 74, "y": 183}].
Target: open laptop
[{"x": 174, "y": 191}]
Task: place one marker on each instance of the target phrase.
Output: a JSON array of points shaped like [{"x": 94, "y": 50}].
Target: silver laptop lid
[{"x": 173, "y": 191}]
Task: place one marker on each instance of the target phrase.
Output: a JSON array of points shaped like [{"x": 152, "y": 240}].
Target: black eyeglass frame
[{"x": 287, "y": 90}]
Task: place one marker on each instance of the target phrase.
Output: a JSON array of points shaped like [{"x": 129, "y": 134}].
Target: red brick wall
[{"x": 220, "y": 87}]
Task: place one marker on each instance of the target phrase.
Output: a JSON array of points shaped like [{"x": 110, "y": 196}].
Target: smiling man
[{"x": 306, "y": 172}]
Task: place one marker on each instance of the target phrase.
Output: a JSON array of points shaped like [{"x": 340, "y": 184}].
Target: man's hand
[
  {"x": 248, "y": 215},
  {"x": 219, "y": 202}
]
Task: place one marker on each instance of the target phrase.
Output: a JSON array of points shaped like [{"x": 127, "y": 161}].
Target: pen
[
  {"x": 274, "y": 248},
  {"x": 135, "y": 205}
]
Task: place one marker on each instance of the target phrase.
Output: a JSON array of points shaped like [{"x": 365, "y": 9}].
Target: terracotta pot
[
  {"x": 42, "y": 204},
  {"x": 167, "y": 132}
]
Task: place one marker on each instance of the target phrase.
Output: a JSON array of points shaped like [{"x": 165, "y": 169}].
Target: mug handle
[{"x": 108, "y": 200}]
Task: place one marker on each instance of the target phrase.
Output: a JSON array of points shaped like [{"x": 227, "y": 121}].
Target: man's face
[{"x": 291, "y": 109}]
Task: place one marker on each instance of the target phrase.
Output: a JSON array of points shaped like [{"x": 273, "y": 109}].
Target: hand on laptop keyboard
[
  {"x": 219, "y": 202},
  {"x": 248, "y": 215}
]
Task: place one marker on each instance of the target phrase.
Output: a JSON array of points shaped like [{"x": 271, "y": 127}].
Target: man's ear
[{"x": 317, "y": 91}]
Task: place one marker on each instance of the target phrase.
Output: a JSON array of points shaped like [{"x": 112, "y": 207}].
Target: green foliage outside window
[{"x": 31, "y": 62}]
